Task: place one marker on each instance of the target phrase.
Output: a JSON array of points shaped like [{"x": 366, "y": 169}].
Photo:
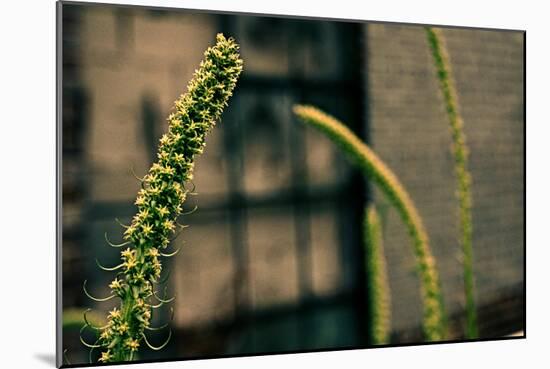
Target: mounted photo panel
[{"x": 238, "y": 184}]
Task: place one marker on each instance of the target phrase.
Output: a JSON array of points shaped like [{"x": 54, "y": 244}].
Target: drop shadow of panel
[{"x": 47, "y": 358}]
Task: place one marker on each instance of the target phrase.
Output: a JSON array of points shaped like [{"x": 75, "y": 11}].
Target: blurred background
[{"x": 273, "y": 258}]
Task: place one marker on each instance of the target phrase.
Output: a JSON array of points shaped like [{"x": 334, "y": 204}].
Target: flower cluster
[
  {"x": 160, "y": 200},
  {"x": 118, "y": 332}
]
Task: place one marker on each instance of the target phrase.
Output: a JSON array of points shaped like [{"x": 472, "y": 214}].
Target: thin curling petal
[
  {"x": 114, "y": 244},
  {"x": 135, "y": 175},
  {"x": 95, "y": 345},
  {"x": 90, "y": 324},
  {"x": 66, "y": 357},
  {"x": 95, "y": 298},
  {"x": 180, "y": 228},
  {"x": 156, "y": 306},
  {"x": 165, "y": 278},
  {"x": 159, "y": 347},
  {"x": 169, "y": 255},
  {"x": 165, "y": 301},
  {"x": 164, "y": 325},
  {"x": 193, "y": 189},
  {"x": 108, "y": 269},
  {"x": 121, "y": 224},
  {"x": 195, "y": 208}
]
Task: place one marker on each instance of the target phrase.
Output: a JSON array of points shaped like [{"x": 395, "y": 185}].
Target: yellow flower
[
  {"x": 115, "y": 313},
  {"x": 151, "y": 177},
  {"x": 106, "y": 334},
  {"x": 168, "y": 224},
  {"x": 123, "y": 328},
  {"x": 132, "y": 344},
  {"x": 147, "y": 314},
  {"x": 154, "y": 252},
  {"x": 163, "y": 211},
  {"x": 155, "y": 168},
  {"x": 130, "y": 263},
  {"x": 105, "y": 356},
  {"x": 147, "y": 229},
  {"x": 175, "y": 122},
  {"x": 158, "y": 270},
  {"x": 176, "y": 137},
  {"x": 172, "y": 117},
  {"x": 129, "y": 232},
  {"x": 115, "y": 284},
  {"x": 139, "y": 277},
  {"x": 164, "y": 139},
  {"x": 143, "y": 214},
  {"x": 157, "y": 267},
  {"x": 128, "y": 253},
  {"x": 169, "y": 170},
  {"x": 154, "y": 190},
  {"x": 163, "y": 155}
]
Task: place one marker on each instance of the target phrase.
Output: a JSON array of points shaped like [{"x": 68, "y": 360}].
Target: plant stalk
[
  {"x": 375, "y": 169},
  {"x": 463, "y": 177},
  {"x": 377, "y": 278}
]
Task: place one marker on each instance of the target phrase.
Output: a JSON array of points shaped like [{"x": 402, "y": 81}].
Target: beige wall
[
  {"x": 127, "y": 56},
  {"x": 409, "y": 129}
]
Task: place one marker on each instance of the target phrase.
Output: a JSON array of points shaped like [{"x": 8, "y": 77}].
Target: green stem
[
  {"x": 375, "y": 169},
  {"x": 377, "y": 278},
  {"x": 463, "y": 178}
]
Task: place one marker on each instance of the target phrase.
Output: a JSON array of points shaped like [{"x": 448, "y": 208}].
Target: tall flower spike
[
  {"x": 377, "y": 171},
  {"x": 160, "y": 200},
  {"x": 463, "y": 178},
  {"x": 377, "y": 283}
]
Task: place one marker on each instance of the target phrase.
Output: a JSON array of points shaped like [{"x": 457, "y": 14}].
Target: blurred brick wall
[
  {"x": 130, "y": 56},
  {"x": 132, "y": 67},
  {"x": 408, "y": 127}
]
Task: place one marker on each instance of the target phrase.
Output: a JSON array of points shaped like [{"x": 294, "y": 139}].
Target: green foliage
[
  {"x": 377, "y": 171},
  {"x": 463, "y": 178},
  {"x": 377, "y": 278},
  {"x": 159, "y": 204}
]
